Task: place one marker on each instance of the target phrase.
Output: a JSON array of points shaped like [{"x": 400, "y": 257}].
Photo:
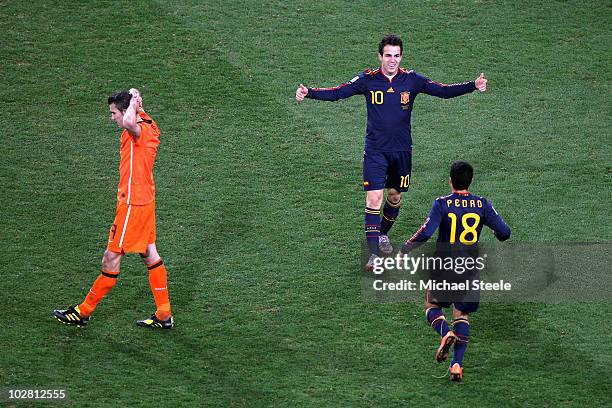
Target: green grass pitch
[{"x": 260, "y": 204}]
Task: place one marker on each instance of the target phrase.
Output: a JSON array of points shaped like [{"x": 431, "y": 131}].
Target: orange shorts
[{"x": 133, "y": 228}]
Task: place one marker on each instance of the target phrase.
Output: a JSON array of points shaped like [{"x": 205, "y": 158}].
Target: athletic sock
[
  {"x": 461, "y": 327},
  {"x": 158, "y": 279},
  {"x": 372, "y": 229},
  {"x": 102, "y": 285},
  {"x": 436, "y": 319},
  {"x": 389, "y": 215}
]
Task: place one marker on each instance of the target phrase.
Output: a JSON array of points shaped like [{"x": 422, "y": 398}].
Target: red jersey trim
[
  {"x": 416, "y": 234},
  {"x": 333, "y": 88},
  {"x": 438, "y": 83}
]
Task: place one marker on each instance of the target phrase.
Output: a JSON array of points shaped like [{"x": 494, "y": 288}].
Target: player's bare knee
[
  {"x": 374, "y": 199},
  {"x": 459, "y": 314},
  {"x": 394, "y": 196},
  {"x": 111, "y": 261},
  {"x": 430, "y": 305},
  {"x": 151, "y": 255}
]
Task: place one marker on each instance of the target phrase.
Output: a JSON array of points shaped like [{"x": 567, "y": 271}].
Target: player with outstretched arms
[{"x": 389, "y": 92}]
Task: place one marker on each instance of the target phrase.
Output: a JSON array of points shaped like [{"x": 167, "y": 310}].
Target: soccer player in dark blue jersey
[
  {"x": 459, "y": 217},
  {"x": 389, "y": 93}
]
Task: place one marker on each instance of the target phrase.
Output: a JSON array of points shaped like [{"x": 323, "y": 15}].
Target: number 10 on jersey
[{"x": 377, "y": 97}]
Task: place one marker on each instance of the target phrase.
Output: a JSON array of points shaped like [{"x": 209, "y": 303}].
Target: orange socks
[
  {"x": 158, "y": 279},
  {"x": 103, "y": 284}
]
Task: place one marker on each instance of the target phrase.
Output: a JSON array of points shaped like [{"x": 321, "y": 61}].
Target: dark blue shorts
[
  {"x": 466, "y": 300},
  {"x": 468, "y": 304},
  {"x": 387, "y": 170},
  {"x": 465, "y": 307}
]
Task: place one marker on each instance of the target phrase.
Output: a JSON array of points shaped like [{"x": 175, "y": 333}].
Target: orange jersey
[{"x": 136, "y": 184}]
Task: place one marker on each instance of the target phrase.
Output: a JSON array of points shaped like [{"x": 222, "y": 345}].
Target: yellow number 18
[{"x": 467, "y": 229}]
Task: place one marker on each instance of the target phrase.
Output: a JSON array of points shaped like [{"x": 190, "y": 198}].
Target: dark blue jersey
[
  {"x": 459, "y": 218},
  {"x": 389, "y": 104}
]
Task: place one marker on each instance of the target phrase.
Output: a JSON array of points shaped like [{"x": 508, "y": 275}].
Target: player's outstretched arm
[
  {"x": 428, "y": 228},
  {"x": 481, "y": 83},
  {"x": 301, "y": 93},
  {"x": 130, "y": 118},
  {"x": 342, "y": 91},
  {"x": 446, "y": 91}
]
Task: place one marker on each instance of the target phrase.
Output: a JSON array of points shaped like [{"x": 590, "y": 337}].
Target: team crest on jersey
[{"x": 404, "y": 97}]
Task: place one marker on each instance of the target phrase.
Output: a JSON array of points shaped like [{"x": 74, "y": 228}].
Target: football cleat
[
  {"x": 385, "y": 245},
  {"x": 456, "y": 372},
  {"x": 71, "y": 316},
  {"x": 369, "y": 266},
  {"x": 154, "y": 322},
  {"x": 445, "y": 344}
]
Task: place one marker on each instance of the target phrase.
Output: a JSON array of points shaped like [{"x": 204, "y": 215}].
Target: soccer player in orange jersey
[{"x": 134, "y": 227}]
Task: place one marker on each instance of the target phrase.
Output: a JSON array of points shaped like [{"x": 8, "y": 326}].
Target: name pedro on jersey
[{"x": 436, "y": 285}]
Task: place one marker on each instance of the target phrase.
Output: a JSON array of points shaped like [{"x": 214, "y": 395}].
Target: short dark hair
[
  {"x": 390, "y": 39},
  {"x": 121, "y": 99},
  {"x": 461, "y": 174}
]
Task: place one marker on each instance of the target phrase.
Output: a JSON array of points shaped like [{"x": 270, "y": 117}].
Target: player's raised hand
[
  {"x": 481, "y": 83},
  {"x": 136, "y": 98},
  {"x": 301, "y": 93}
]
